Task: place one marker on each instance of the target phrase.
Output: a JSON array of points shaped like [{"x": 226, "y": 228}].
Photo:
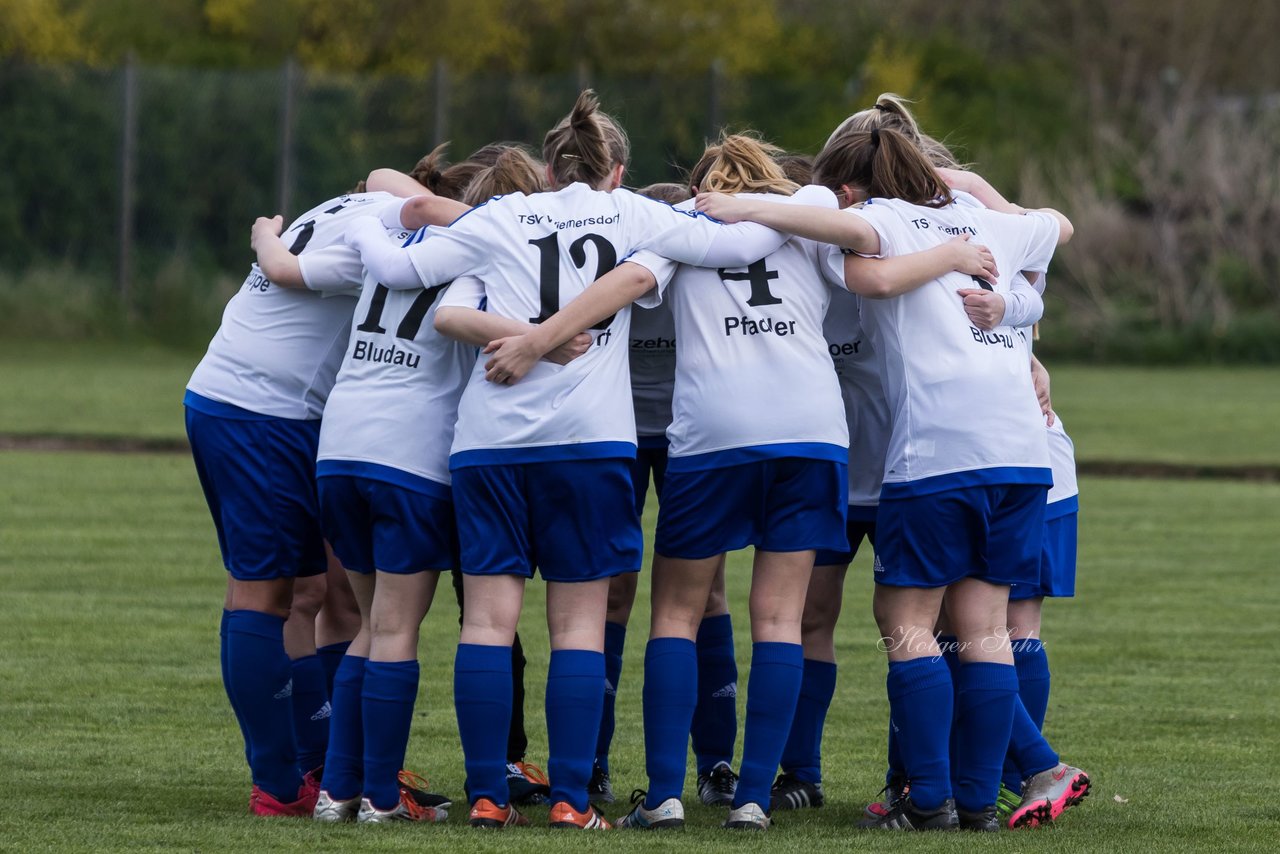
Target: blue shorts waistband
[
  {"x": 387, "y": 474},
  {"x": 543, "y": 454},
  {"x": 755, "y": 453}
]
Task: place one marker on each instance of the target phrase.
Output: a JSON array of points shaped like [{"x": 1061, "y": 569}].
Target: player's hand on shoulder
[
  {"x": 984, "y": 308},
  {"x": 265, "y": 228},
  {"x": 723, "y": 207}
]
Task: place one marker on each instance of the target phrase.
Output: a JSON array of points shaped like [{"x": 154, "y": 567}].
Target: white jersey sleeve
[{"x": 278, "y": 349}]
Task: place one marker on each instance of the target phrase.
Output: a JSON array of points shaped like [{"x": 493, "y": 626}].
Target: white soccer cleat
[
  {"x": 748, "y": 817},
  {"x": 331, "y": 809}
]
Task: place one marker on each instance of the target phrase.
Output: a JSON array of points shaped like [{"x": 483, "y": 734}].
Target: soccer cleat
[
  {"x": 527, "y": 784},
  {"x": 330, "y": 809},
  {"x": 599, "y": 789},
  {"x": 485, "y": 813},
  {"x": 903, "y": 815},
  {"x": 1006, "y": 802},
  {"x": 717, "y": 788},
  {"x": 895, "y": 790},
  {"x": 407, "y": 810},
  {"x": 415, "y": 785},
  {"x": 1046, "y": 795},
  {"x": 667, "y": 815},
  {"x": 747, "y": 817},
  {"x": 264, "y": 804},
  {"x": 983, "y": 820},
  {"x": 563, "y": 815},
  {"x": 791, "y": 793}
]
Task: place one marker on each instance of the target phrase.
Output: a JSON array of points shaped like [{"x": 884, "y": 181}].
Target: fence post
[
  {"x": 288, "y": 110},
  {"x": 128, "y": 160},
  {"x": 441, "y": 102},
  {"x": 715, "y": 82}
]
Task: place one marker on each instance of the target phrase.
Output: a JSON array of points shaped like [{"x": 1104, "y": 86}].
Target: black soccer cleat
[{"x": 904, "y": 816}]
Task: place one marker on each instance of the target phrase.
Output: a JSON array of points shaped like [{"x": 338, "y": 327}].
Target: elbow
[
  {"x": 445, "y": 322},
  {"x": 639, "y": 280},
  {"x": 1065, "y": 229},
  {"x": 871, "y": 287}
]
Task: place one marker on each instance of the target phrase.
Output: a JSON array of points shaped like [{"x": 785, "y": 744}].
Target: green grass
[
  {"x": 115, "y": 733},
  {"x": 1215, "y": 415},
  {"x": 1218, "y": 415}
]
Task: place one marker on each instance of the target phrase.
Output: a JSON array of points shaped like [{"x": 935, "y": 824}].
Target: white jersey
[
  {"x": 653, "y": 367},
  {"x": 964, "y": 411},
  {"x": 534, "y": 254},
  {"x": 395, "y": 402},
  {"x": 865, "y": 409},
  {"x": 278, "y": 349},
  {"x": 753, "y": 378},
  {"x": 1062, "y": 455}
]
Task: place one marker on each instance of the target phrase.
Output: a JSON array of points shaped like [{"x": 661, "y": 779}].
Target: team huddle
[{"x": 799, "y": 354}]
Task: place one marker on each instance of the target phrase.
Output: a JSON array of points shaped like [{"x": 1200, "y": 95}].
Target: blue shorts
[
  {"x": 861, "y": 523},
  {"x": 783, "y": 504},
  {"x": 373, "y": 524},
  {"x": 1057, "y": 557},
  {"x": 651, "y": 459},
  {"x": 574, "y": 520},
  {"x": 990, "y": 532},
  {"x": 259, "y": 479}
]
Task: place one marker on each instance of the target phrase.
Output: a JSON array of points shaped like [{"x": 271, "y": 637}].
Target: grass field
[
  {"x": 1172, "y": 415},
  {"x": 115, "y": 733}
]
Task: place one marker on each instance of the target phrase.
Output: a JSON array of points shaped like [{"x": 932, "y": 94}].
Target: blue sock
[
  {"x": 482, "y": 698},
  {"x": 311, "y": 711},
  {"x": 920, "y": 703},
  {"x": 670, "y": 694},
  {"x": 390, "y": 689},
  {"x": 950, "y": 647},
  {"x": 224, "y": 644},
  {"x": 984, "y": 718},
  {"x": 1033, "y": 677},
  {"x": 896, "y": 768},
  {"x": 715, "y": 719},
  {"x": 777, "y": 670},
  {"x": 802, "y": 755},
  {"x": 575, "y": 694},
  {"x": 1028, "y": 751},
  {"x": 258, "y": 680},
  {"x": 615, "y": 636},
  {"x": 344, "y": 761},
  {"x": 331, "y": 657}
]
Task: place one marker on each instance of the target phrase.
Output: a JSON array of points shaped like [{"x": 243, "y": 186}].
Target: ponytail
[
  {"x": 885, "y": 164},
  {"x": 585, "y": 145}
]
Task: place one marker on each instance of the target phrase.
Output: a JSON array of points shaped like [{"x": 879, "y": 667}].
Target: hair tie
[
  {"x": 572, "y": 157},
  {"x": 875, "y": 137},
  {"x": 882, "y": 108}
]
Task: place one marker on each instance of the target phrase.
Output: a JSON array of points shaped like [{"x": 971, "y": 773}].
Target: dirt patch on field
[
  {"x": 1096, "y": 468},
  {"x": 102, "y": 444}
]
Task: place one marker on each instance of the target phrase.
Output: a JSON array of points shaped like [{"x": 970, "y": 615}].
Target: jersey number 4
[
  {"x": 549, "y": 269},
  {"x": 759, "y": 276},
  {"x": 412, "y": 321}
]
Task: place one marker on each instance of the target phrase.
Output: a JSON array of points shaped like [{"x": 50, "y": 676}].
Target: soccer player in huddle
[
  {"x": 253, "y": 408},
  {"x": 715, "y": 717},
  {"x": 541, "y": 470},
  {"x": 385, "y": 504},
  {"x": 944, "y": 483}
]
